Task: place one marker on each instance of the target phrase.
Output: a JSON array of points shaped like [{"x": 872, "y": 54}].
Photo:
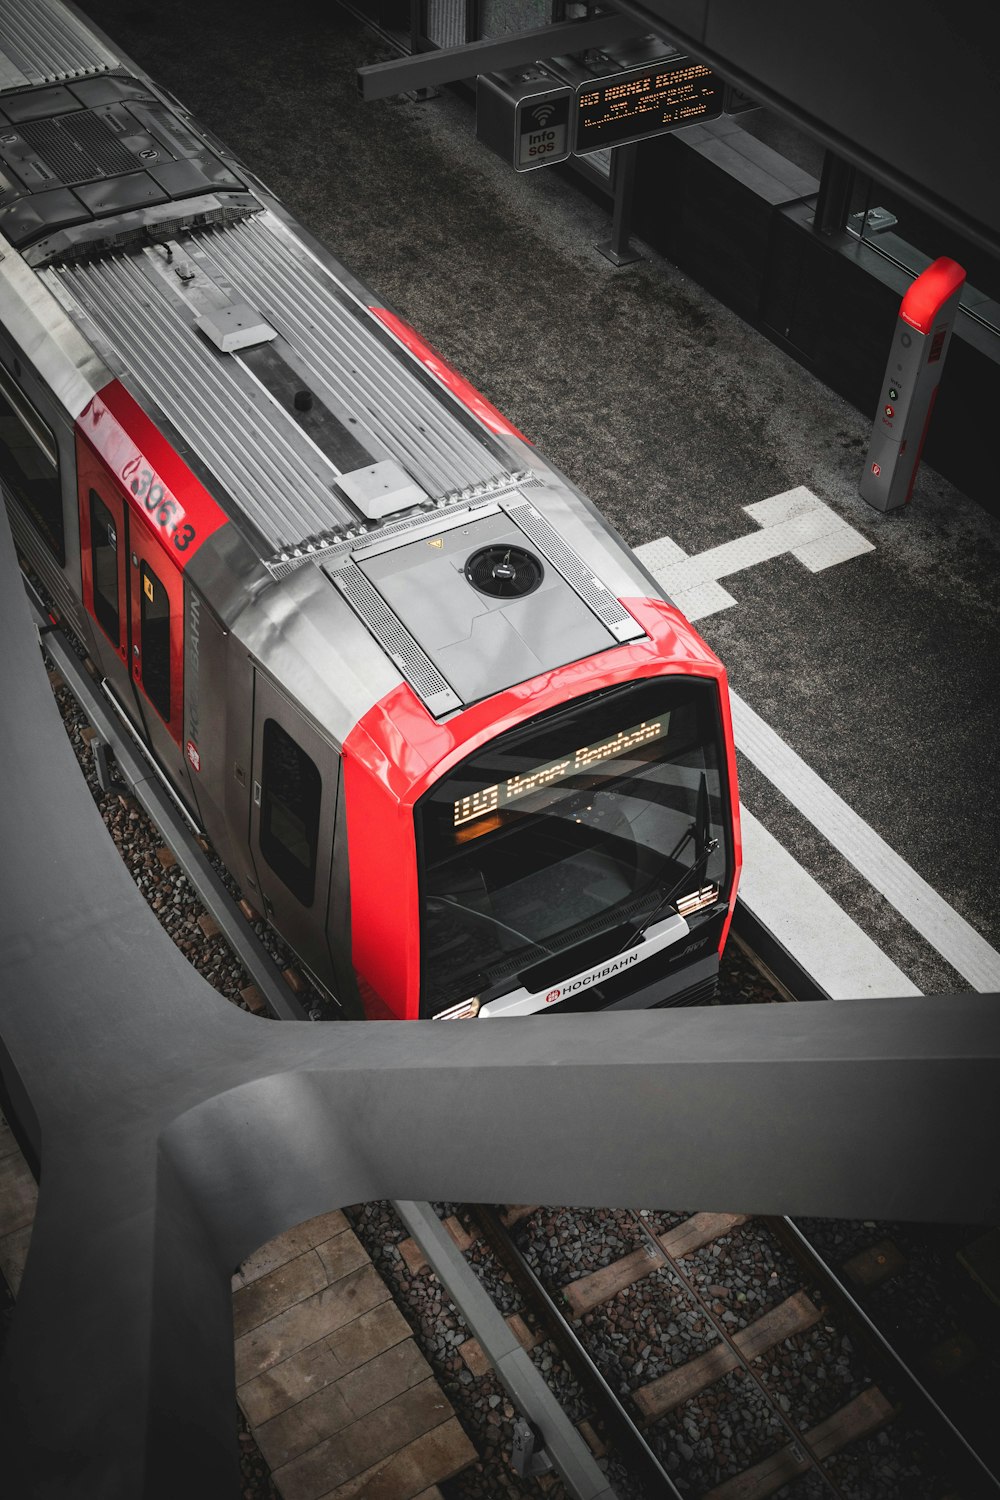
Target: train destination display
[
  {"x": 634, "y": 104},
  {"x": 491, "y": 798}
]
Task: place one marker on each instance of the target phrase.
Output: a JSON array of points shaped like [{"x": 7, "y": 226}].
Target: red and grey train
[{"x": 434, "y": 716}]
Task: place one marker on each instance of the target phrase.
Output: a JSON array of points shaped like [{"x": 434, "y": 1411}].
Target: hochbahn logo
[{"x": 592, "y": 976}]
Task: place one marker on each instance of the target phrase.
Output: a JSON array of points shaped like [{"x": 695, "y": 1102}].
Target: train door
[
  {"x": 295, "y": 779},
  {"x": 135, "y": 593},
  {"x": 103, "y": 557},
  {"x": 156, "y": 652}
]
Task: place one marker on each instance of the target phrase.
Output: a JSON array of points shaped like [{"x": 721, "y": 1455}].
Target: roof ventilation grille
[{"x": 504, "y": 572}]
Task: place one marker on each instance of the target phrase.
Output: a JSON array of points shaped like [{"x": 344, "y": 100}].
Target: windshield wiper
[
  {"x": 700, "y": 831},
  {"x": 483, "y": 916},
  {"x": 709, "y": 848}
]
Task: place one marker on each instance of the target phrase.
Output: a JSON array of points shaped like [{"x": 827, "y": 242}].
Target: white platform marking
[
  {"x": 796, "y": 522},
  {"x": 820, "y": 936},
  {"x": 773, "y": 884},
  {"x": 958, "y": 942}
]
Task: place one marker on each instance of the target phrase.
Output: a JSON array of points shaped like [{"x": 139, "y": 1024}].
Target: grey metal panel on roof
[
  {"x": 479, "y": 643},
  {"x": 590, "y": 588},
  {"x": 43, "y": 42},
  {"x": 396, "y": 640}
]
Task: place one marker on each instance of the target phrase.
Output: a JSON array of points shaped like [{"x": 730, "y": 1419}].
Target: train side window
[
  {"x": 29, "y": 465},
  {"x": 104, "y": 554},
  {"x": 154, "y": 626},
  {"x": 291, "y": 789}
]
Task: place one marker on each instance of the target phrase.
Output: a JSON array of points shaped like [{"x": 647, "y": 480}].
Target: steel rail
[
  {"x": 525, "y": 1385},
  {"x": 623, "y": 1430},
  {"x": 794, "y": 984},
  {"x": 803, "y": 1248},
  {"x": 797, "y": 1438}
]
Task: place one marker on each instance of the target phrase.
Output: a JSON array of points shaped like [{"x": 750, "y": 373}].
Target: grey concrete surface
[{"x": 882, "y": 672}]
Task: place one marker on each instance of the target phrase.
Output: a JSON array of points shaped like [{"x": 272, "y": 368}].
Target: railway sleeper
[
  {"x": 475, "y": 1356},
  {"x": 982, "y": 1261},
  {"x": 876, "y": 1264},
  {"x": 795, "y": 1315},
  {"x": 861, "y": 1417},
  {"x": 588, "y": 1292},
  {"x": 950, "y": 1357},
  {"x": 416, "y": 1261}
]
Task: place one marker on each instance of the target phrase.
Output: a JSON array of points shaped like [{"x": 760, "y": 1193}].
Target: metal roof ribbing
[
  {"x": 279, "y": 480},
  {"x": 277, "y": 477},
  {"x": 42, "y": 42},
  {"x": 375, "y": 383}
]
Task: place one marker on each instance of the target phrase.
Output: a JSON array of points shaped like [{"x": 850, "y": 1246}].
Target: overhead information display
[{"x": 634, "y": 104}]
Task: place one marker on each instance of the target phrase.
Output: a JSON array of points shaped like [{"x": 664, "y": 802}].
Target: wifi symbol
[{"x": 542, "y": 114}]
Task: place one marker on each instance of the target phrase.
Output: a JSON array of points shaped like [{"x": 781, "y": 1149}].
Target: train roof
[
  {"x": 196, "y": 292},
  {"x": 320, "y": 423}
]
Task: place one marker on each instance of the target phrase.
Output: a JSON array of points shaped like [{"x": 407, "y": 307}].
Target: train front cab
[
  {"x": 572, "y": 844},
  {"x": 439, "y": 863}
]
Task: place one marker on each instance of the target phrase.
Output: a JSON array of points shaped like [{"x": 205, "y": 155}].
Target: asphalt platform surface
[{"x": 880, "y": 672}]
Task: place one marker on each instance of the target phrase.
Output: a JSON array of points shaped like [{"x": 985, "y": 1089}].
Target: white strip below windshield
[{"x": 522, "y": 1002}]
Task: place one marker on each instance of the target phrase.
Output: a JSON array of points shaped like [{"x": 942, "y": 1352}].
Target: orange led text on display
[{"x": 489, "y": 799}]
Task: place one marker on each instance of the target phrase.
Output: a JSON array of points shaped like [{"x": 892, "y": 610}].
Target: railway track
[
  {"x": 703, "y": 1377},
  {"x": 700, "y": 1355}
]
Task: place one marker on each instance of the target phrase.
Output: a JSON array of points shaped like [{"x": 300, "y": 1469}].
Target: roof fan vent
[{"x": 504, "y": 572}]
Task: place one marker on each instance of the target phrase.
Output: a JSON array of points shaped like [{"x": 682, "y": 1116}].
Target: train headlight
[
  {"x": 465, "y": 1010},
  {"x": 706, "y": 896}
]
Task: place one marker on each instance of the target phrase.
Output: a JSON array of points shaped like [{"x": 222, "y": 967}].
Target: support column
[
  {"x": 618, "y": 249},
  {"x": 834, "y": 199}
]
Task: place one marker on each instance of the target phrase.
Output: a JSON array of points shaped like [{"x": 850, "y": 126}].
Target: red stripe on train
[{"x": 448, "y": 375}]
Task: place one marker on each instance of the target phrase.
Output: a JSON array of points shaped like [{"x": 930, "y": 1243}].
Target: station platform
[
  {"x": 336, "y": 1394},
  {"x": 861, "y": 647}
]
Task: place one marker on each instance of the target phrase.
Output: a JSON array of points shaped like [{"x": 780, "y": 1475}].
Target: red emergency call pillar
[{"x": 916, "y": 359}]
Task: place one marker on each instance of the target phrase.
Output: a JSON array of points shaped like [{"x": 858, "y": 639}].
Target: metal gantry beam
[
  {"x": 792, "y": 84},
  {"x": 449, "y": 64},
  {"x": 177, "y": 1133}
]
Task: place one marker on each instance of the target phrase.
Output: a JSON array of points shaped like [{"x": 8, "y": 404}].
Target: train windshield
[{"x": 570, "y": 828}]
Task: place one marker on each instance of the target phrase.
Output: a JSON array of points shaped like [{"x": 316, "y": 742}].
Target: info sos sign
[
  {"x": 541, "y": 132},
  {"x": 524, "y": 115}
]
